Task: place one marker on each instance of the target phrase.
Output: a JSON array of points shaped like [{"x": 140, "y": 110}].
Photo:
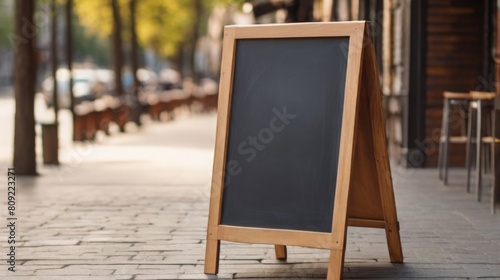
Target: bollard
[{"x": 50, "y": 143}]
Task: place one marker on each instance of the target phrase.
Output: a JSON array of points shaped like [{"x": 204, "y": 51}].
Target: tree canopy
[{"x": 161, "y": 25}]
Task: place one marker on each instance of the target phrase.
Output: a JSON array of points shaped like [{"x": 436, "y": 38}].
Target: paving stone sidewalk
[{"x": 135, "y": 206}]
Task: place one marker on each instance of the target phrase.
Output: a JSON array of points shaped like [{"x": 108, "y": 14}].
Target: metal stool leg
[
  {"x": 441, "y": 141},
  {"x": 487, "y": 152},
  {"x": 446, "y": 140},
  {"x": 494, "y": 191},
  {"x": 464, "y": 111},
  {"x": 478, "y": 150},
  {"x": 493, "y": 163},
  {"x": 486, "y": 158},
  {"x": 468, "y": 153}
]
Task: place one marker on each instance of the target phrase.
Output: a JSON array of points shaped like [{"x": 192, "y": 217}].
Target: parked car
[
  {"x": 89, "y": 84},
  {"x": 170, "y": 79},
  {"x": 148, "y": 79},
  {"x": 84, "y": 86}
]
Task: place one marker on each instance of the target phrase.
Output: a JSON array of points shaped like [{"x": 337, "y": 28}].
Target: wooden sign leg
[
  {"x": 280, "y": 251},
  {"x": 393, "y": 240},
  {"x": 381, "y": 158},
  {"x": 336, "y": 264},
  {"x": 385, "y": 184},
  {"x": 212, "y": 256}
]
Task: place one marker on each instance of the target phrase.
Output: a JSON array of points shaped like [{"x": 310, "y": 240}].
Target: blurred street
[{"x": 135, "y": 206}]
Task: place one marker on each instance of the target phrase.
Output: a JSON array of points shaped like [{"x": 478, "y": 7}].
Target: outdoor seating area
[
  {"x": 93, "y": 116},
  {"x": 470, "y": 118}
]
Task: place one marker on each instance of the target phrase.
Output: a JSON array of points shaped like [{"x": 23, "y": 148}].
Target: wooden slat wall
[{"x": 454, "y": 62}]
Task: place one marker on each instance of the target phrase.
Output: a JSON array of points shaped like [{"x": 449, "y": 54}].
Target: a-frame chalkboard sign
[{"x": 300, "y": 146}]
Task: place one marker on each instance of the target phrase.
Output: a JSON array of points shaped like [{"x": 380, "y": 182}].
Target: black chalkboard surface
[{"x": 284, "y": 133}]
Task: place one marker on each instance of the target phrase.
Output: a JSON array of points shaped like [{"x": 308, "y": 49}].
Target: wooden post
[{"x": 50, "y": 144}]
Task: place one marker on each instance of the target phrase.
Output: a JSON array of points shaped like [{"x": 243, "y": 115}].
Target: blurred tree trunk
[
  {"x": 297, "y": 10},
  {"x": 117, "y": 47},
  {"x": 185, "y": 54},
  {"x": 69, "y": 58},
  {"x": 198, "y": 13},
  {"x": 134, "y": 52},
  {"x": 53, "y": 53},
  {"x": 134, "y": 46},
  {"x": 300, "y": 11},
  {"x": 179, "y": 58},
  {"x": 55, "y": 95},
  {"x": 24, "y": 86}
]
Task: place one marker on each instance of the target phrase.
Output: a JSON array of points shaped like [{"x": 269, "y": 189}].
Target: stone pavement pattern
[{"x": 135, "y": 206}]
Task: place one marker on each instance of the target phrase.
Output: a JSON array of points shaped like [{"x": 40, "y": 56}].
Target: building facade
[{"x": 424, "y": 48}]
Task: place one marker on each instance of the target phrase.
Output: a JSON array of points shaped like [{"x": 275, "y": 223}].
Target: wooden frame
[{"x": 362, "y": 135}]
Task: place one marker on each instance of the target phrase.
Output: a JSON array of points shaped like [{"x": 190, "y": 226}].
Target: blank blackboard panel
[{"x": 284, "y": 133}]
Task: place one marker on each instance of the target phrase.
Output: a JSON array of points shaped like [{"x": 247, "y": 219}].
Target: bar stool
[
  {"x": 455, "y": 99},
  {"x": 481, "y": 101}
]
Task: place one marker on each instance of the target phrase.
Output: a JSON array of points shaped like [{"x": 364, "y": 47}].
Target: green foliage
[
  {"x": 212, "y": 3},
  {"x": 6, "y": 21},
  {"x": 95, "y": 15},
  {"x": 87, "y": 45},
  {"x": 162, "y": 25}
]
